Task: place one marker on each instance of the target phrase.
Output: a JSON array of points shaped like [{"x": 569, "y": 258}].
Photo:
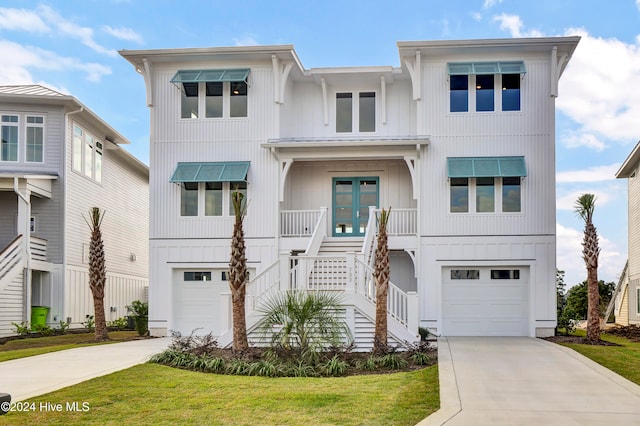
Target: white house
[
  {"x": 459, "y": 141},
  {"x": 627, "y": 304},
  {"x": 57, "y": 160}
]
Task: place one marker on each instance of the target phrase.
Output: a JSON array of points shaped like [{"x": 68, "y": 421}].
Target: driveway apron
[{"x": 527, "y": 381}]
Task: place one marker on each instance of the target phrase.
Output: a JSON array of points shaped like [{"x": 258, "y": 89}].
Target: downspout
[
  {"x": 26, "y": 234},
  {"x": 63, "y": 190}
]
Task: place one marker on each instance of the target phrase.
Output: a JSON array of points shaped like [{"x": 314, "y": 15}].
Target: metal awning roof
[
  {"x": 229, "y": 171},
  {"x": 479, "y": 68},
  {"x": 485, "y": 167},
  {"x": 219, "y": 75}
]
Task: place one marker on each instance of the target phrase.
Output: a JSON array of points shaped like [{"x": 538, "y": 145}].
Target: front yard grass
[
  {"x": 623, "y": 359},
  {"x": 21, "y": 348},
  {"x": 151, "y": 393}
]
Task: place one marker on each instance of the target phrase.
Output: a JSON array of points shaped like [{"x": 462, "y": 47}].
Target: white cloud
[
  {"x": 593, "y": 174},
  {"x": 490, "y": 3},
  {"x": 597, "y": 89},
  {"x": 638, "y": 4},
  {"x": 22, "y": 19},
  {"x": 124, "y": 34},
  {"x": 580, "y": 139},
  {"x": 477, "y": 16},
  {"x": 513, "y": 24},
  {"x": 569, "y": 256},
  {"x": 18, "y": 59},
  {"x": 68, "y": 28},
  {"x": 567, "y": 201},
  {"x": 248, "y": 40}
]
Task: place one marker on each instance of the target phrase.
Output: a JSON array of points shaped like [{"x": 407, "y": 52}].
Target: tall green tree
[
  {"x": 381, "y": 274},
  {"x": 97, "y": 272},
  {"x": 238, "y": 276},
  {"x": 584, "y": 207}
]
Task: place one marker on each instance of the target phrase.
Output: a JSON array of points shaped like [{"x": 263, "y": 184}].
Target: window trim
[
  {"x": 227, "y": 188},
  {"x": 201, "y": 112},
  {"x": 97, "y": 151},
  {"x": 472, "y": 95},
  {"x": 472, "y": 198},
  {"x": 16, "y": 125},
  {"x": 26, "y": 135},
  {"x": 356, "y": 96}
]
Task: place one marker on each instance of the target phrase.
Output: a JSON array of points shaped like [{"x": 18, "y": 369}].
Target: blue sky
[{"x": 72, "y": 45}]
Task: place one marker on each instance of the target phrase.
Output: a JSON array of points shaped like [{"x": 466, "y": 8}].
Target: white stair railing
[
  {"x": 11, "y": 257},
  {"x": 319, "y": 234},
  {"x": 298, "y": 223},
  {"x": 318, "y": 273},
  {"x": 263, "y": 285},
  {"x": 397, "y": 300}
]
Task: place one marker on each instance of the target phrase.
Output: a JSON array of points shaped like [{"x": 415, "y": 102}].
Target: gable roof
[
  {"x": 630, "y": 163},
  {"x": 38, "y": 94}
]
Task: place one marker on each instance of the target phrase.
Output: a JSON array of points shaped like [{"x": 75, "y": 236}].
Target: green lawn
[
  {"x": 151, "y": 393},
  {"x": 623, "y": 359},
  {"x": 21, "y": 348}
]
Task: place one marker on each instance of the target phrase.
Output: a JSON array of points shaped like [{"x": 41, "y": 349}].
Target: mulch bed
[{"x": 631, "y": 332}]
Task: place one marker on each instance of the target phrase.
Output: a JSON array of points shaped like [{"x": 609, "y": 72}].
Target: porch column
[{"x": 23, "y": 227}]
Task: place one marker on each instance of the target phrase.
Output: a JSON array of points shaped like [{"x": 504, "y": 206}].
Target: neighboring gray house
[
  {"x": 627, "y": 305},
  {"x": 459, "y": 140},
  {"x": 57, "y": 160}
]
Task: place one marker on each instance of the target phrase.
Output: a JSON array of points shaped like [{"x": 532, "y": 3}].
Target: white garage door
[
  {"x": 196, "y": 300},
  {"x": 485, "y": 301}
]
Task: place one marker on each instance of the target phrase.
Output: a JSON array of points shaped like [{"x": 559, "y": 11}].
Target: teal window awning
[
  {"x": 479, "y": 68},
  {"x": 196, "y": 76},
  {"x": 230, "y": 171},
  {"x": 465, "y": 167}
]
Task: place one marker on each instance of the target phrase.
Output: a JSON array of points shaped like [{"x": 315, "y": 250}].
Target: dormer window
[
  {"x": 212, "y": 93},
  {"x": 363, "y": 112}
]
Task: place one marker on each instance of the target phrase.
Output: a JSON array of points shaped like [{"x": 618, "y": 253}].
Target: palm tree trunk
[
  {"x": 381, "y": 274},
  {"x": 99, "y": 318},
  {"x": 97, "y": 273},
  {"x": 238, "y": 275},
  {"x": 593, "y": 306}
]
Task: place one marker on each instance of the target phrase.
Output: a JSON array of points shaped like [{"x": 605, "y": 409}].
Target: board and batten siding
[
  {"x": 216, "y": 139},
  {"x": 537, "y": 252},
  {"x": 120, "y": 291},
  {"x": 303, "y": 110}
]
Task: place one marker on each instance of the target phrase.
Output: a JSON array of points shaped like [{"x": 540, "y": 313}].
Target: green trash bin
[{"x": 39, "y": 315}]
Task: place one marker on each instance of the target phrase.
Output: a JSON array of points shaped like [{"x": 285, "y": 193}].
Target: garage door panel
[
  {"x": 485, "y": 306},
  {"x": 196, "y": 306}
]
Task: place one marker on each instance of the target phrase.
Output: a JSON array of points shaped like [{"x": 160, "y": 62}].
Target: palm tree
[
  {"x": 308, "y": 322},
  {"x": 590, "y": 251},
  {"x": 97, "y": 272},
  {"x": 238, "y": 273},
  {"x": 381, "y": 275}
]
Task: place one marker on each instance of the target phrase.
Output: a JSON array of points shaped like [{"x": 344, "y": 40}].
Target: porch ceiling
[
  {"x": 346, "y": 148},
  {"x": 38, "y": 185}
]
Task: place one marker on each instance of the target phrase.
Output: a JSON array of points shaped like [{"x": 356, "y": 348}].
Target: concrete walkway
[
  {"x": 526, "y": 381},
  {"x": 36, "y": 375}
]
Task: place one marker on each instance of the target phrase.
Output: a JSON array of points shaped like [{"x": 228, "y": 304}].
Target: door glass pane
[
  {"x": 343, "y": 199},
  {"x": 343, "y": 186}
]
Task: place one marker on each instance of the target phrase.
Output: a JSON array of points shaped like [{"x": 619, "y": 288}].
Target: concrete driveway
[
  {"x": 36, "y": 375},
  {"x": 527, "y": 381}
]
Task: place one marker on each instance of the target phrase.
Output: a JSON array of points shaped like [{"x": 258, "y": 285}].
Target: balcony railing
[
  {"x": 298, "y": 223},
  {"x": 38, "y": 248}
]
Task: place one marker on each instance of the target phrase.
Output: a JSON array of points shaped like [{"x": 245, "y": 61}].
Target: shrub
[
  {"x": 22, "y": 329},
  {"x": 140, "y": 316},
  {"x": 64, "y": 326},
  {"x": 392, "y": 361},
  {"x": 44, "y": 330},
  {"x": 89, "y": 323},
  {"x": 193, "y": 344},
  {"x": 303, "y": 321},
  {"x": 118, "y": 324},
  {"x": 335, "y": 366}
]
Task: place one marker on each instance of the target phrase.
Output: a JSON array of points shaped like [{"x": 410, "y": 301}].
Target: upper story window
[
  {"x": 212, "y": 93},
  {"x": 363, "y": 112},
  {"x": 483, "y": 77},
  {"x": 494, "y": 183},
  {"x": 22, "y": 134},
  {"x": 87, "y": 154},
  {"x": 205, "y": 188}
]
